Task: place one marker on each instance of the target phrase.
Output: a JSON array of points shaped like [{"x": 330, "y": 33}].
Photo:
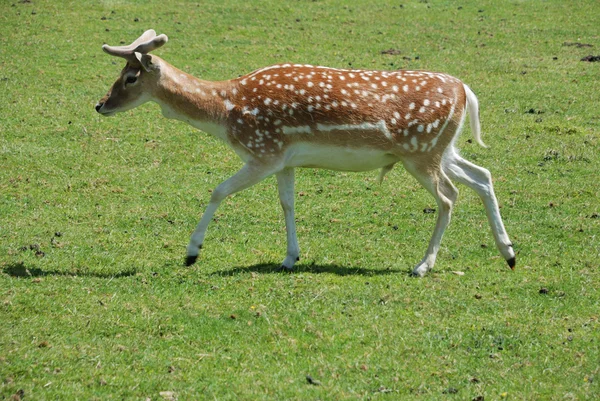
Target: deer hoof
[
  {"x": 190, "y": 260},
  {"x": 284, "y": 269}
]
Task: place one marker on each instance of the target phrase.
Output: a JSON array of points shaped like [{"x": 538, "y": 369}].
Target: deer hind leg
[
  {"x": 480, "y": 180},
  {"x": 445, "y": 194},
  {"x": 249, "y": 175},
  {"x": 285, "y": 185}
]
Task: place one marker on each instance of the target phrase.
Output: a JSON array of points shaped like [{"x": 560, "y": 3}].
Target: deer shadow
[
  {"x": 273, "y": 268},
  {"x": 20, "y": 270}
]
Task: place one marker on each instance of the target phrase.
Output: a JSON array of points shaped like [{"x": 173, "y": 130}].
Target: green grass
[{"x": 95, "y": 214}]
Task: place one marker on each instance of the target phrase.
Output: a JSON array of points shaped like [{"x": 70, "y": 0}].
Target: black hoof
[
  {"x": 190, "y": 260},
  {"x": 511, "y": 263}
]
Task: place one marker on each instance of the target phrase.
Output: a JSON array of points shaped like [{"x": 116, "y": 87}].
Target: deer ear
[{"x": 145, "y": 61}]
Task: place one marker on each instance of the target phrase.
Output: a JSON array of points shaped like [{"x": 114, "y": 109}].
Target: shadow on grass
[
  {"x": 19, "y": 270},
  {"x": 265, "y": 268}
]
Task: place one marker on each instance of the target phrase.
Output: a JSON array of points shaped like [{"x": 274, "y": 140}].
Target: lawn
[{"x": 95, "y": 214}]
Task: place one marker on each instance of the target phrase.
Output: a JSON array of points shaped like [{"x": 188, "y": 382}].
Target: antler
[{"x": 142, "y": 45}]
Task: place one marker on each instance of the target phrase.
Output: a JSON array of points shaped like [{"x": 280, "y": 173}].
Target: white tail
[
  {"x": 295, "y": 115},
  {"x": 473, "y": 107}
]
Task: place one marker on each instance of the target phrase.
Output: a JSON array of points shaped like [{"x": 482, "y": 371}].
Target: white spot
[
  {"x": 411, "y": 106},
  {"x": 405, "y": 88},
  {"x": 426, "y": 102},
  {"x": 228, "y": 105},
  {"x": 243, "y": 82},
  {"x": 301, "y": 129},
  {"x": 440, "y": 90},
  {"x": 268, "y": 101},
  {"x": 310, "y": 108},
  {"x": 395, "y": 88},
  {"x": 414, "y": 143},
  {"x": 422, "y": 110},
  {"x": 420, "y": 128},
  {"x": 397, "y": 115},
  {"x": 310, "y": 84}
]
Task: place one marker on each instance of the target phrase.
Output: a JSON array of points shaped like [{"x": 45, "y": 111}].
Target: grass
[{"x": 95, "y": 215}]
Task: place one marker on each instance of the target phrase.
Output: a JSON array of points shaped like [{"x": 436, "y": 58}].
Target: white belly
[{"x": 337, "y": 158}]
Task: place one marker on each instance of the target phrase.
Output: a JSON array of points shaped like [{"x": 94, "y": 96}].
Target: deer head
[{"x": 133, "y": 87}]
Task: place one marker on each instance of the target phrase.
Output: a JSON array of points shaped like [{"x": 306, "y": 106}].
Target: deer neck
[{"x": 202, "y": 104}]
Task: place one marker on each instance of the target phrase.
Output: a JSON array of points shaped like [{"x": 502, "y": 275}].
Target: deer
[{"x": 287, "y": 116}]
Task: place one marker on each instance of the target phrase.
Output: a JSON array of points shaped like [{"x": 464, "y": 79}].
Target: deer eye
[{"x": 130, "y": 79}]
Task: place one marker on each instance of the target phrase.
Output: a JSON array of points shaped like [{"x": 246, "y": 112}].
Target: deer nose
[{"x": 99, "y": 106}]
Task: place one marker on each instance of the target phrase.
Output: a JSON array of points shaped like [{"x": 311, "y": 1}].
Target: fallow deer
[{"x": 286, "y": 116}]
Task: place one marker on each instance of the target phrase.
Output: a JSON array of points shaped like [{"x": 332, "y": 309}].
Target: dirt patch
[
  {"x": 591, "y": 59},
  {"x": 579, "y": 45},
  {"x": 393, "y": 52}
]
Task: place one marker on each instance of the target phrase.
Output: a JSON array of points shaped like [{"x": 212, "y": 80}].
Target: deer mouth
[{"x": 106, "y": 113}]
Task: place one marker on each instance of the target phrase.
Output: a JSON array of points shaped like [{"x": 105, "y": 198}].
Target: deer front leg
[
  {"x": 285, "y": 185},
  {"x": 250, "y": 174}
]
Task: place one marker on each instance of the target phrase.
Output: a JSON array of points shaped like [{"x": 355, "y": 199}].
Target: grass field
[{"x": 95, "y": 214}]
